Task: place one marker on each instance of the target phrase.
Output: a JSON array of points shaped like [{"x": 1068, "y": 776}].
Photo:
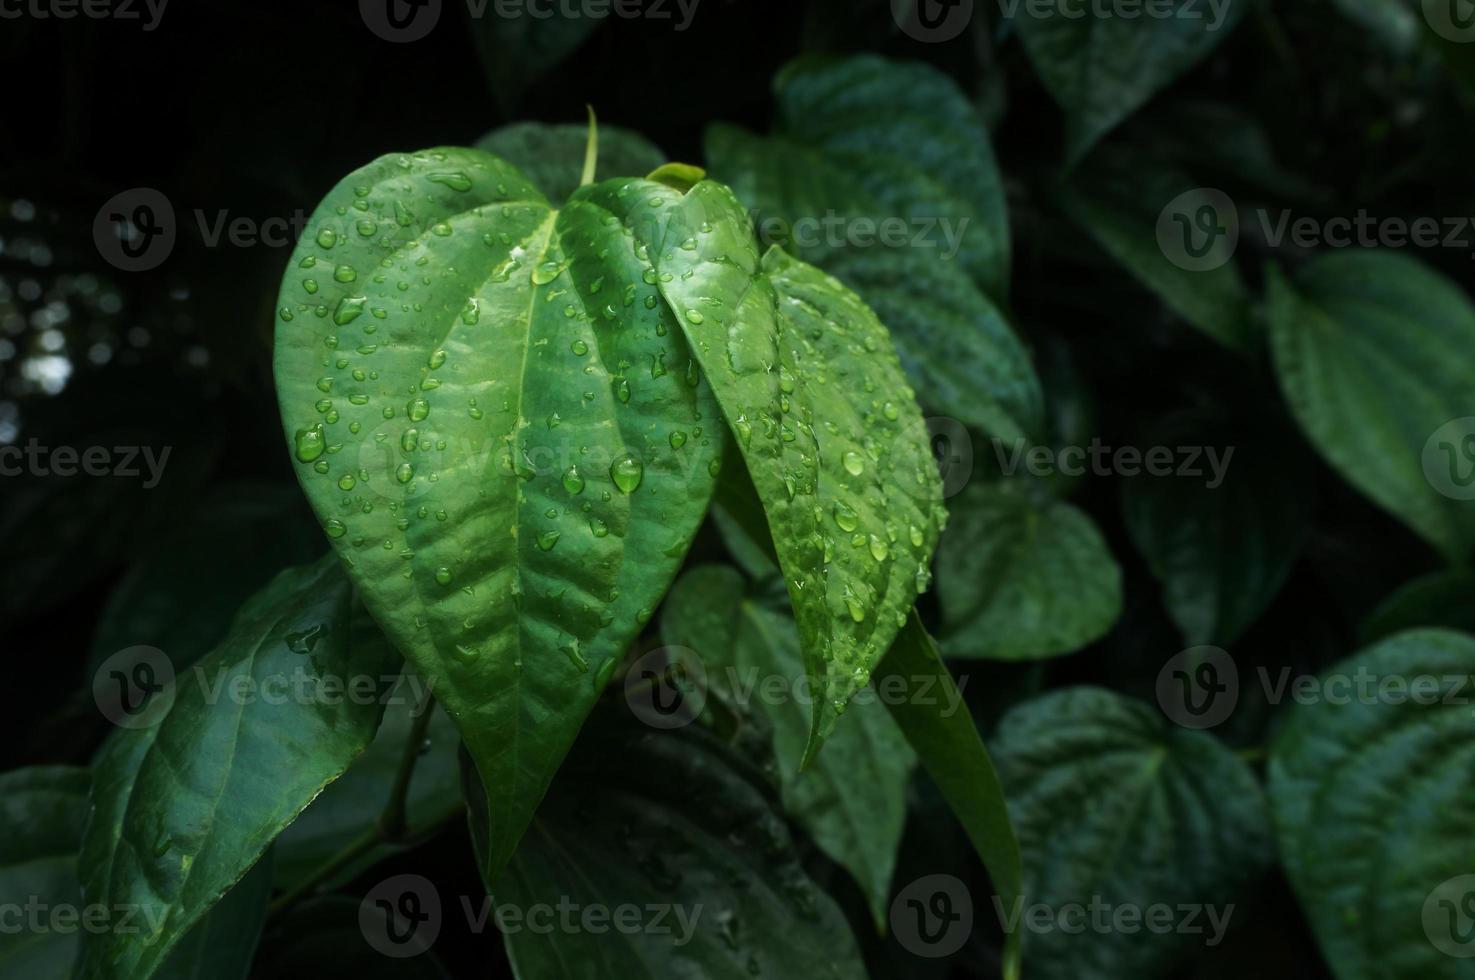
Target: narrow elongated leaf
[
  {"x": 552, "y": 157},
  {"x": 1373, "y": 352},
  {"x": 1022, "y": 578},
  {"x": 929, "y": 708},
  {"x": 1261, "y": 502},
  {"x": 685, "y": 831},
  {"x": 1372, "y": 793},
  {"x": 826, "y": 422},
  {"x": 41, "y": 814},
  {"x": 1119, "y": 198},
  {"x": 183, "y": 809},
  {"x": 852, "y": 799},
  {"x": 1101, "y": 68},
  {"x": 496, "y": 418},
  {"x": 1115, "y": 806}
]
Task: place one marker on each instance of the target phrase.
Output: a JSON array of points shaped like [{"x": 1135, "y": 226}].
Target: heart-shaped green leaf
[
  {"x": 1115, "y": 806},
  {"x": 852, "y": 799},
  {"x": 687, "y": 851},
  {"x": 1119, "y": 197},
  {"x": 495, "y": 416},
  {"x": 182, "y": 808},
  {"x": 1101, "y": 67},
  {"x": 1373, "y": 353},
  {"x": 824, "y": 418},
  {"x": 1372, "y": 793},
  {"x": 1258, "y": 495},
  {"x": 1023, "y": 578}
]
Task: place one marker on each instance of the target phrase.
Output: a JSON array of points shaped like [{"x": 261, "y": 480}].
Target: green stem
[{"x": 591, "y": 150}]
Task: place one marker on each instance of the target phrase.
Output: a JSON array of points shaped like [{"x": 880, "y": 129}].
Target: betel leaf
[
  {"x": 844, "y": 165},
  {"x": 852, "y": 799},
  {"x": 1445, "y": 599},
  {"x": 674, "y": 825},
  {"x": 41, "y": 814},
  {"x": 181, "y": 597},
  {"x": 1115, "y": 807},
  {"x": 352, "y": 804},
  {"x": 1373, "y": 352},
  {"x": 182, "y": 808},
  {"x": 517, "y": 51},
  {"x": 1258, "y": 496},
  {"x": 929, "y": 708},
  {"x": 1371, "y": 787},
  {"x": 1021, "y": 577},
  {"x": 826, "y": 422},
  {"x": 552, "y": 157},
  {"x": 911, "y": 139},
  {"x": 496, "y": 418},
  {"x": 1119, "y": 197},
  {"x": 1101, "y": 67}
]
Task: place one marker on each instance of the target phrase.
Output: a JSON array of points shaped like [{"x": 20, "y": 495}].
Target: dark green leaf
[
  {"x": 1021, "y": 577},
  {"x": 1441, "y": 599},
  {"x": 516, "y": 52},
  {"x": 519, "y": 473},
  {"x": 41, "y": 815},
  {"x": 182, "y": 597},
  {"x": 1121, "y": 198},
  {"x": 1373, "y": 353},
  {"x": 222, "y": 945},
  {"x": 552, "y": 157},
  {"x": 864, "y": 143},
  {"x": 1101, "y": 68},
  {"x": 1371, "y": 790},
  {"x": 679, "y": 826},
  {"x": 1113, "y": 805},
  {"x": 182, "y": 809},
  {"x": 1222, "y": 543},
  {"x": 851, "y": 799}
]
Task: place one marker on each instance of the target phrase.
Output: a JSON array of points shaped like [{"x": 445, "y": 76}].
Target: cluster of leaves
[{"x": 551, "y": 417}]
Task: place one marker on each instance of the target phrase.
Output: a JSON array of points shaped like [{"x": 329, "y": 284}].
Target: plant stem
[
  {"x": 392, "y": 821},
  {"x": 591, "y": 150}
]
